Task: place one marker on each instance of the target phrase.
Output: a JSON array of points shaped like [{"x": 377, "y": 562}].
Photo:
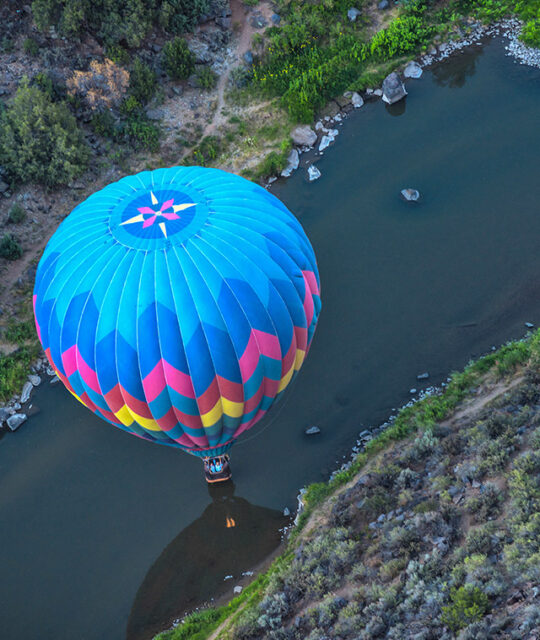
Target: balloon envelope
[{"x": 178, "y": 304}]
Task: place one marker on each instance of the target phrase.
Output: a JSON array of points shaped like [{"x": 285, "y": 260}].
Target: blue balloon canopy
[{"x": 178, "y": 304}]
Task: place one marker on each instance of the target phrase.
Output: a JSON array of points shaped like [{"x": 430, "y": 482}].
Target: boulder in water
[
  {"x": 393, "y": 88},
  {"x": 312, "y": 431},
  {"x": 15, "y": 421},
  {"x": 413, "y": 70},
  {"x": 313, "y": 173},
  {"x": 411, "y": 195}
]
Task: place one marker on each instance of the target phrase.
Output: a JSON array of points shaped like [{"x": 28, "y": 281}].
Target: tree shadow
[
  {"x": 230, "y": 537},
  {"x": 453, "y": 73}
]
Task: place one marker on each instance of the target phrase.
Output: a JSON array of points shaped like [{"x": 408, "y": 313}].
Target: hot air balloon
[{"x": 178, "y": 305}]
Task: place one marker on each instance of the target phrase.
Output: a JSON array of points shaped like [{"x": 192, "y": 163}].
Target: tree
[
  {"x": 40, "y": 140},
  {"x": 178, "y": 60}
]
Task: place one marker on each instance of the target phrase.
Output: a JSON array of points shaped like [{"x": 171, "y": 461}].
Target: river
[{"x": 102, "y": 532}]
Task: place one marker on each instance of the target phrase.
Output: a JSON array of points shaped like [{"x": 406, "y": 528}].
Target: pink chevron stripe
[
  {"x": 301, "y": 337},
  {"x": 208, "y": 399},
  {"x": 309, "y": 276},
  {"x": 73, "y": 361},
  {"x": 309, "y": 307},
  {"x": 259, "y": 343},
  {"x": 86, "y": 400},
  {"x": 178, "y": 380},
  {"x": 255, "y": 399},
  {"x": 288, "y": 360},
  {"x": 114, "y": 398}
]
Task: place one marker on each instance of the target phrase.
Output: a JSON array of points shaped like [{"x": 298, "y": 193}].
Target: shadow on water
[
  {"x": 231, "y": 536},
  {"x": 455, "y": 75},
  {"x": 396, "y": 109}
]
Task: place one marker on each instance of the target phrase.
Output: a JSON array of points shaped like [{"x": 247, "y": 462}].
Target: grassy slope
[{"x": 433, "y": 532}]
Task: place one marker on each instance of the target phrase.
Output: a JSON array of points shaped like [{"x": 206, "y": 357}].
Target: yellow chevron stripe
[
  {"x": 124, "y": 415},
  {"x": 211, "y": 417},
  {"x": 286, "y": 379},
  {"x": 300, "y": 355},
  {"x": 232, "y": 409}
]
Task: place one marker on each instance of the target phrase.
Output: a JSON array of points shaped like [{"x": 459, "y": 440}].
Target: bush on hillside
[
  {"x": 178, "y": 60},
  {"x": 40, "y": 140}
]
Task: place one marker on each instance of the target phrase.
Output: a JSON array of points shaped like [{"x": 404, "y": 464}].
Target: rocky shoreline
[{"x": 318, "y": 138}]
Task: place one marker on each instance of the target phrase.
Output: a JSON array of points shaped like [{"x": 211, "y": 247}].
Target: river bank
[{"x": 422, "y": 533}]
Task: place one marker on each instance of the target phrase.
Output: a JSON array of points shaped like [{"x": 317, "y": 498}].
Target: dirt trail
[{"x": 241, "y": 16}]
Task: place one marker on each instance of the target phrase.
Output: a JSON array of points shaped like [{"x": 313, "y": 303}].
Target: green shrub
[
  {"x": 178, "y": 60},
  {"x": 14, "y": 370},
  {"x": 118, "y": 21},
  {"x": 7, "y": 45},
  {"x": 142, "y": 81},
  {"x": 10, "y": 249},
  {"x": 142, "y": 133},
  {"x": 469, "y": 604},
  {"x": 40, "y": 140},
  {"x": 16, "y": 214},
  {"x": 118, "y": 54},
  {"x": 31, "y": 47},
  {"x": 103, "y": 123},
  {"x": 207, "y": 78},
  {"x": 20, "y": 332}
]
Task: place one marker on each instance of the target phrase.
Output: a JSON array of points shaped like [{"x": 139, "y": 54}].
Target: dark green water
[{"x": 98, "y": 528}]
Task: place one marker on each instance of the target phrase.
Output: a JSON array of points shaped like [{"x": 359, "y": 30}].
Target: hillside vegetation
[{"x": 434, "y": 531}]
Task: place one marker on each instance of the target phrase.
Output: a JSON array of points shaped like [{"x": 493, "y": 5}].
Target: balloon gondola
[{"x": 178, "y": 305}]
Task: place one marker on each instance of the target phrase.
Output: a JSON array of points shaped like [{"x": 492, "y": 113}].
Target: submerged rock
[
  {"x": 312, "y": 431},
  {"x": 304, "y": 136},
  {"x": 413, "y": 70},
  {"x": 393, "y": 88},
  {"x": 313, "y": 173},
  {"x": 15, "y": 421},
  {"x": 411, "y": 195},
  {"x": 422, "y": 376}
]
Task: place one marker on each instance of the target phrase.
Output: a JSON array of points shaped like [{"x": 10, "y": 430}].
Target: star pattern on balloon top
[{"x": 167, "y": 211}]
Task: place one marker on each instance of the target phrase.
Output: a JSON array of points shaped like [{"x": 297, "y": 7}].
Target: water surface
[{"x": 95, "y": 522}]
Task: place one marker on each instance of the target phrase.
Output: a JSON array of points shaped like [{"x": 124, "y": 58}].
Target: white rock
[
  {"x": 311, "y": 431},
  {"x": 338, "y": 117},
  {"x": 34, "y": 379},
  {"x": 377, "y": 92},
  {"x": 15, "y": 421},
  {"x": 411, "y": 195},
  {"x": 26, "y": 391},
  {"x": 293, "y": 160},
  {"x": 412, "y": 70},
  {"x": 55, "y": 380},
  {"x": 227, "y": 578},
  {"x": 237, "y": 589},
  {"x": 325, "y": 142},
  {"x": 353, "y": 13},
  {"x": 304, "y": 136},
  {"x": 313, "y": 173},
  {"x": 357, "y": 100},
  {"x": 286, "y": 512},
  {"x": 319, "y": 125}
]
